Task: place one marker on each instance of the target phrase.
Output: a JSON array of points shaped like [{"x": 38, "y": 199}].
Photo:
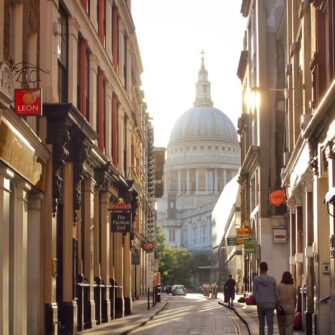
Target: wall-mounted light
[{"x": 330, "y": 199}]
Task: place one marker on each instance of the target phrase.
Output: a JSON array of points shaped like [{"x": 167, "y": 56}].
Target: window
[
  {"x": 83, "y": 82},
  {"x": 101, "y": 109},
  {"x": 86, "y": 5},
  {"x": 62, "y": 55},
  {"x": 115, "y": 130},
  {"x": 172, "y": 235},
  {"x": 115, "y": 37},
  {"x": 16, "y": 27},
  {"x": 101, "y": 15},
  {"x": 125, "y": 74}
]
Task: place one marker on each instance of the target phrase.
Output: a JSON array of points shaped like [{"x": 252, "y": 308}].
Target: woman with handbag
[{"x": 286, "y": 303}]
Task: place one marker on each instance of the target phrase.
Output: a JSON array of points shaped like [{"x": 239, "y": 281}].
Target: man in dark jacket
[
  {"x": 264, "y": 292},
  {"x": 230, "y": 289}
]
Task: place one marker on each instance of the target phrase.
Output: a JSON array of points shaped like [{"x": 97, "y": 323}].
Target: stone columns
[
  {"x": 127, "y": 275},
  {"x": 299, "y": 243},
  {"x": 34, "y": 263},
  {"x": 196, "y": 181},
  {"x": 188, "y": 181},
  {"x": 179, "y": 182},
  {"x": 20, "y": 244},
  {"x": 5, "y": 176},
  {"x": 216, "y": 181},
  {"x": 68, "y": 313},
  {"x": 309, "y": 310},
  {"x": 91, "y": 210},
  {"x": 118, "y": 266},
  {"x": 292, "y": 207},
  {"x": 105, "y": 254}
]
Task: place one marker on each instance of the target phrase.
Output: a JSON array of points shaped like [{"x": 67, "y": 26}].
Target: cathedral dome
[{"x": 203, "y": 122}]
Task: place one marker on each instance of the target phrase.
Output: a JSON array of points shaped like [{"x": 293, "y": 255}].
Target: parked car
[{"x": 178, "y": 290}]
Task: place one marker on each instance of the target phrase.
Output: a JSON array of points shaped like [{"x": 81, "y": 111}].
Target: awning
[{"x": 330, "y": 196}]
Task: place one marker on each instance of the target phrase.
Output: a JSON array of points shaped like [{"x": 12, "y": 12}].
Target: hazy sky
[{"x": 171, "y": 35}]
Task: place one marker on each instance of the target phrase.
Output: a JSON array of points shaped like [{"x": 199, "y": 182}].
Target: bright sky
[{"x": 171, "y": 35}]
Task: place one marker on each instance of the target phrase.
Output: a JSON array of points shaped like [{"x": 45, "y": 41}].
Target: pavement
[
  {"x": 141, "y": 315},
  {"x": 248, "y": 313}
]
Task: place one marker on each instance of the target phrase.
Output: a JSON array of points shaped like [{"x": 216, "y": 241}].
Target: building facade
[
  {"x": 304, "y": 71},
  {"x": 261, "y": 130},
  {"x": 308, "y": 174},
  {"x": 66, "y": 261},
  {"x": 201, "y": 157}
]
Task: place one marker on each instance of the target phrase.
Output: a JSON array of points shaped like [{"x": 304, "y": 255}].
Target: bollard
[{"x": 148, "y": 298}]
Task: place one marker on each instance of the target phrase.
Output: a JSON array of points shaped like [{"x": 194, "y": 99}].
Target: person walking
[
  {"x": 286, "y": 303},
  {"x": 230, "y": 289},
  {"x": 264, "y": 292}
]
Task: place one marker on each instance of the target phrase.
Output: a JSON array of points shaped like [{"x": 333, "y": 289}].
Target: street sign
[
  {"x": 28, "y": 101},
  {"x": 231, "y": 240},
  {"x": 121, "y": 221},
  {"x": 242, "y": 234},
  {"x": 250, "y": 246}
]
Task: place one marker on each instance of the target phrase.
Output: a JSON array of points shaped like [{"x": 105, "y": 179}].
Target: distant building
[{"x": 202, "y": 156}]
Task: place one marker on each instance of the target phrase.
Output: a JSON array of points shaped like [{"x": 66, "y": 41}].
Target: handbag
[{"x": 280, "y": 310}]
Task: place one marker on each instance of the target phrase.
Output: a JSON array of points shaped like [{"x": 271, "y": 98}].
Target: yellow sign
[
  {"x": 242, "y": 234},
  {"x": 18, "y": 153}
]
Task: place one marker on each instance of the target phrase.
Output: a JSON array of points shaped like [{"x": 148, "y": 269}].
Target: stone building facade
[{"x": 66, "y": 263}]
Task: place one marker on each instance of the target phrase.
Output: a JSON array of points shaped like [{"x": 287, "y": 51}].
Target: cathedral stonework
[{"x": 202, "y": 156}]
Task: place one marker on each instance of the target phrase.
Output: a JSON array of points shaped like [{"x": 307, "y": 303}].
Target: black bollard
[{"x": 148, "y": 298}]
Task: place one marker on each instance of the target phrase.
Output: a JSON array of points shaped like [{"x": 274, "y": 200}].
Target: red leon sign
[{"x": 28, "y": 101}]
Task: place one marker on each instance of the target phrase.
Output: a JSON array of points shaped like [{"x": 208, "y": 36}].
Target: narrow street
[{"x": 193, "y": 314}]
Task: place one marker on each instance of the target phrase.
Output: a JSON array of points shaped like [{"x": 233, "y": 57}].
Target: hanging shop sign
[
  {"x": 250, "y": 246},
  {"x": 231, "y": 240},
  {"x": 280, "y": 235},
  {"x": 242, "y": 234},
  {"x": 148, "y": 246},
  {"x": 19, "y": 154},
  {"x": 277, "y": 197},
  {"x": 28, "y": 101},
  {"x": 121, "y": 218}
]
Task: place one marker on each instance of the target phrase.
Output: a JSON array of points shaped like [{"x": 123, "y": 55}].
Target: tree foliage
[
  {"x": 177, "y": 265},
  {"x": 174, "y": 263}
]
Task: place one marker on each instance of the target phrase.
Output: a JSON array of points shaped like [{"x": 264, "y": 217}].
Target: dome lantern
[{"x": 203, "y": 86}]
